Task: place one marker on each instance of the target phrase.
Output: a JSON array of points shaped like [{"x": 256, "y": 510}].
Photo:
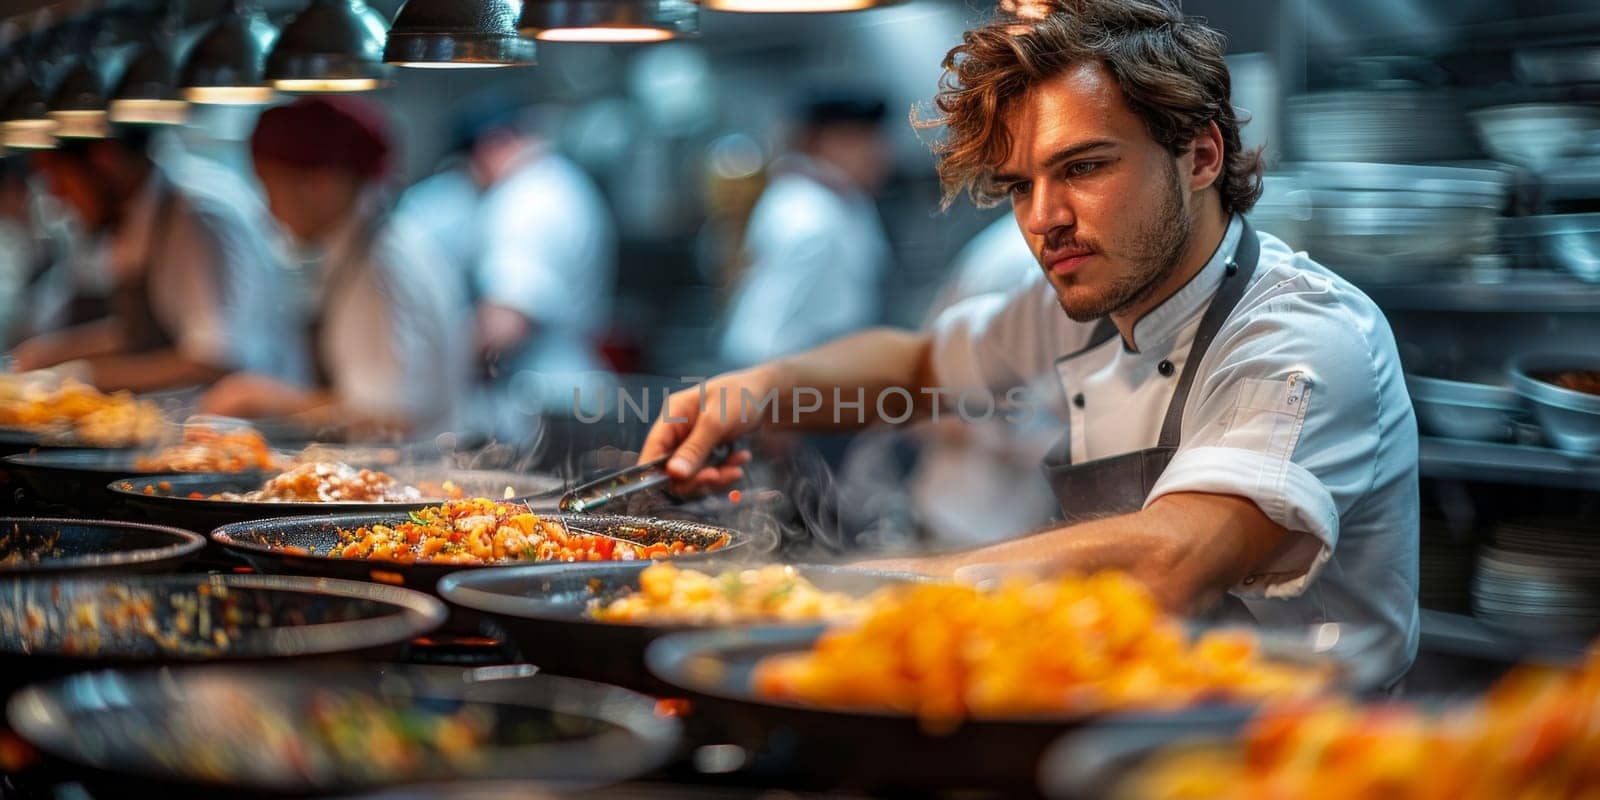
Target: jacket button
[
  {"x": 1165, "y": 368},
  {"x": 1077, "y": 400}
]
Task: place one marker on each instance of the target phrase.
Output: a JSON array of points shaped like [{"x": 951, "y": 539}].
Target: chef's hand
[
  {"x": 688, "y": 433},
  {"x": 499, "y": 330},
  {"x": 36, "y": 353},
  {"x": 253, "y": 396}
]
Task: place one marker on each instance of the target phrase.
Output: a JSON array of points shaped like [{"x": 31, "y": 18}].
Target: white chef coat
[
  {"x": 816, "y": 257},
  {"x": 394, "y": 338},
  {"x": 985, "y": 486},
  {"x": 215, "y": 281},
  {"x": 549, "y": 250},
  {"x": 543, "y": 242},
  {"x": 1299, "y": 405}
]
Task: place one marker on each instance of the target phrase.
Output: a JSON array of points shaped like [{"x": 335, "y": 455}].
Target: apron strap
[{"x": 1235, "y": 280}]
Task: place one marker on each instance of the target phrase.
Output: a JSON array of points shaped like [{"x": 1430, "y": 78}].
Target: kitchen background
[{"x": 1444, "y": 154}]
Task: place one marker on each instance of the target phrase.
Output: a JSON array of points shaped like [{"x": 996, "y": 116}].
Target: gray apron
[
  {"x": 1117, "y": 485},
  {"x": 131, "y": 301}
]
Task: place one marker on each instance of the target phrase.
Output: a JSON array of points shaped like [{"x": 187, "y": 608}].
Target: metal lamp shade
[
  {"x": 794, "y": 6},
  {"x": 458, "y": 33},
  {"x": 224, "y": 66},
  {"x": 609, "y": 20},
  {"x": 25, "y": 122},
  {"x": 78, "y": 104},
  {"x": 331, "y": 46},
  {"x": 147, "y": 92}
]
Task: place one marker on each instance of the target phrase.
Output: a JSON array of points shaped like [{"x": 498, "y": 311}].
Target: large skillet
[
  {"x": 78, "y": 478},
  {"x": 544, "y": 611},
  {"x": 280, "y": 545},
  {"x": 35, "y": 545},
  {"x": 169, "y": 500},
  {"x": 145, "y": 734},
  {"x": 869, "y": 749},
  {"x": 277, "y": 618}
]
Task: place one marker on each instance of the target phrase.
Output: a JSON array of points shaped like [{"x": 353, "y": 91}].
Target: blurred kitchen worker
[
  {"x": 1239, "y": 435},
  {"x": 192, "y": 271},
  {"x": 536, "y": 245},
  {"x": 383, "y": 342},
  {"x": 815, "y": 249},
  {"x": 978, "y": 482}
]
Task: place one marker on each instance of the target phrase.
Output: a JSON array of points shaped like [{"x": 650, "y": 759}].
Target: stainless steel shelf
[
  {"x": 1452, "y": 459},
  {"x": 1538, "y": 293},
  {"x": 1461, "y": 635}
]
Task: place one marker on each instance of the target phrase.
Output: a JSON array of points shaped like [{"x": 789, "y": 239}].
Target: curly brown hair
[{"x": 1169, "y": 67}]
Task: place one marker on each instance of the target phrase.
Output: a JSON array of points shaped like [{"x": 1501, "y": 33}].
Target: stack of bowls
[
  {"x": 1399, "y": 125},
  {"x": 1401, "y": 222}
]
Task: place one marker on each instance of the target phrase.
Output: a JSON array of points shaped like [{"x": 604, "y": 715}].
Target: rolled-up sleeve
[{"x": 1289, "y": 422}]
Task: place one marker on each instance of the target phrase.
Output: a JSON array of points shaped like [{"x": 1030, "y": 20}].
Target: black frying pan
[
  {"x": 1096, "y": 760},
  {"x": 43, "y": 633},
  {"x": 167, "y": 499},
  {"x": 543, "y": 609},
  {"x": 278, "y": 545},
  {"x": 867, "y": 749},
  {"x": 189, "y": 732},
  {"x": 76, "y": 478},
  {"x": 34, "y": 545}
]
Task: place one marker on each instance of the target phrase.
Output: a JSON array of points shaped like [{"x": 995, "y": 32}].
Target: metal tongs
[{"x": 614, "y": 486}]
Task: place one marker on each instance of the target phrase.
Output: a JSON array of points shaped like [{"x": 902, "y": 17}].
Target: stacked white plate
[{"x": 1540, "y": 579}]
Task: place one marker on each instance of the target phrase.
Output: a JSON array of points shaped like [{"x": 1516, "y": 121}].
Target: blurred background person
[
  {"x": 385, "y": 348},
  {"x": 815, "y": 248},
  {"x": 979, "y": 482},
  {"x": 192, "y": 274},
  {"x": 535, "y": 245}
]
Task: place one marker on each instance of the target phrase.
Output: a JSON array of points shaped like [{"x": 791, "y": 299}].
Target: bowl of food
[
  {"x": 1563, "y": 391},
  {"x": 418, "y": 548},
  {"x": 1525, "y": 738},
  {"x": 560, "y": 616},
  {"x": 352, "y": 729},
  {"x": 978, "y": 682},
  {"x": 78, "y": 478},
  {"x": 46, "y": 411},
  {"x": 203, "y": 501}
]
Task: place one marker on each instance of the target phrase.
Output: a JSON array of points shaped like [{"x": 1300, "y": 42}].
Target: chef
[
  {"x": 815, "y": 248},
  {"x": 533, "y": 239},
  {"x": 1239, "y": 435},
  {"x": 384, "y": 351},
  {"x": 190, "y": 266}
]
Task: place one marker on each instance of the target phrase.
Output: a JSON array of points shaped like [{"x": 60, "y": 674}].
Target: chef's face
[
  {"x": 308, "y": 203},
  {"x": 1105, "y": 208},
  {"x": 71, "y": 181}
]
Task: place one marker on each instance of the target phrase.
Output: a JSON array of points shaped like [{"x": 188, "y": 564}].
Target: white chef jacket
[
  {"x": 549, "y": 250},
  {"x": 816, "y": 260},
  {"x": 215, "y": 281},
  {"x": 543, "y": 242},
  {"x": 395, "y": 337},
  {"x": 1299, "y": 405},
  {"x": 986, "y": 487}
]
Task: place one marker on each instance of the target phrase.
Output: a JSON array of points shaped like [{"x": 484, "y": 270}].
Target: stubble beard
[{"x": 1154, "y": 252}]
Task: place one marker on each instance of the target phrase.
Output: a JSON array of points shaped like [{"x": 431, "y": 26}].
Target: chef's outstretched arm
[
  {"x": 1187, "y": 547},
  {"x": 796, "y": 392}
]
